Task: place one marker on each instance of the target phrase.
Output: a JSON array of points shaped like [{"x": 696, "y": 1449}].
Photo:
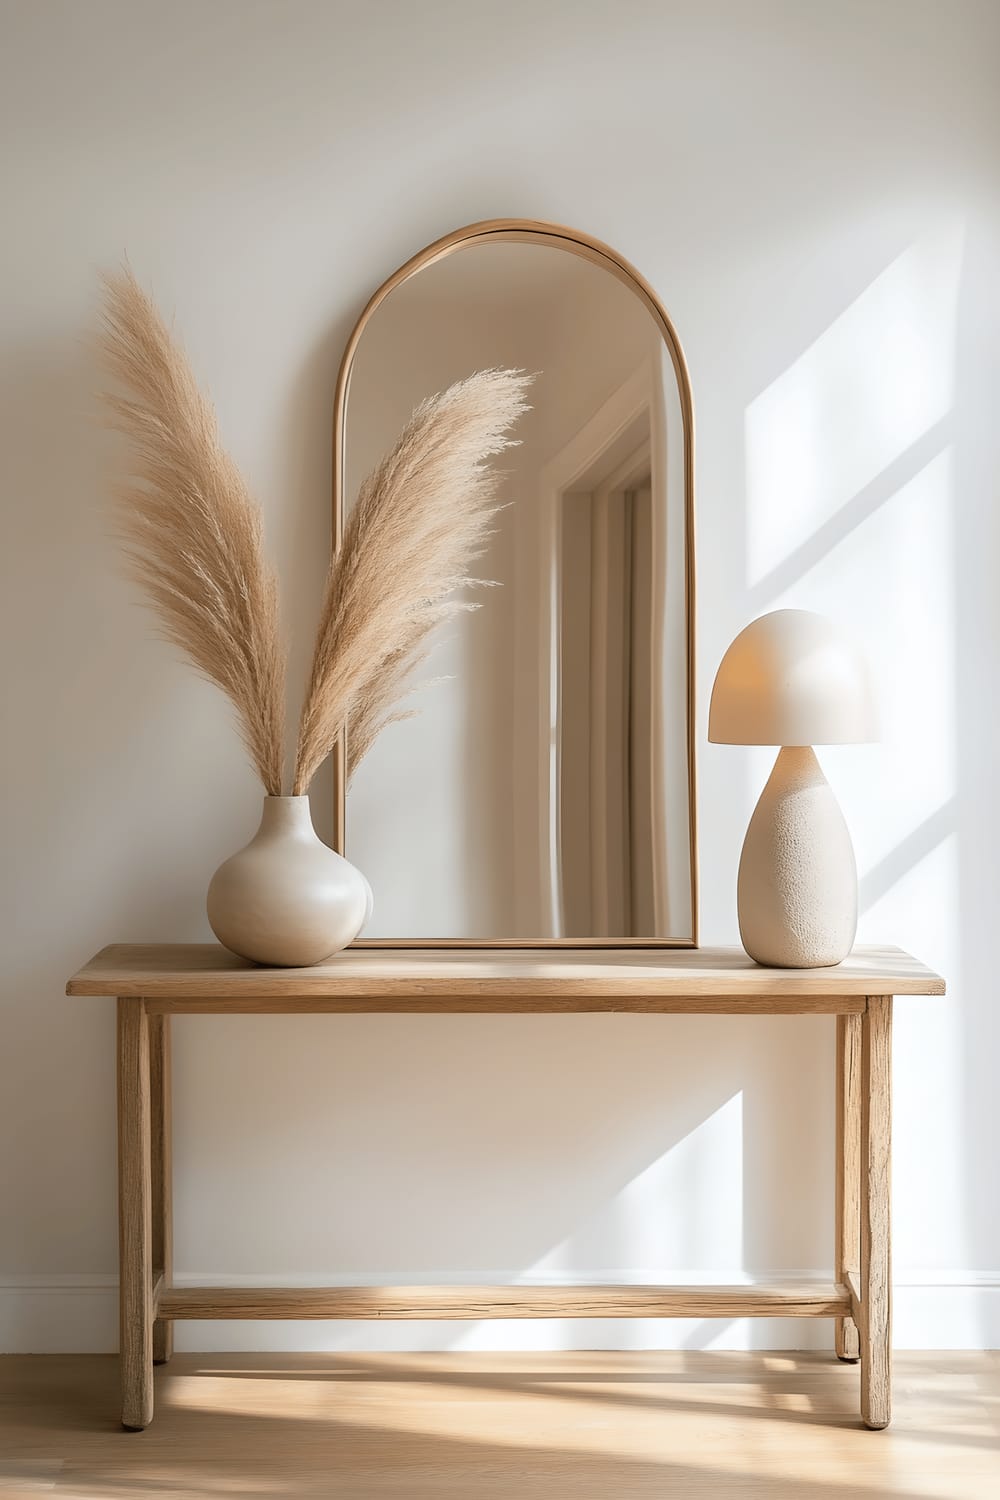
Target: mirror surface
[{"x": 542, "y": 791}]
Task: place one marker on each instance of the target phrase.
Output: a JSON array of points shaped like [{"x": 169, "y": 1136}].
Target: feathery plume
[
  {"x": 420, "y": 519},
  {"x": 192, "y": 534}
]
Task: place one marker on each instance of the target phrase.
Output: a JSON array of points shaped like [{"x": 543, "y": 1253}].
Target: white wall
[{"x": 813, "y": 191}]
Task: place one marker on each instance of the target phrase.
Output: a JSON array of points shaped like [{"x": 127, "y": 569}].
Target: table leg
[
  {"x": 162, "y": 1185},
  {"x": 135, "y": 1229},
  {"x": 848, "y": 1179},
  {"x": 876, "y": 1289}
]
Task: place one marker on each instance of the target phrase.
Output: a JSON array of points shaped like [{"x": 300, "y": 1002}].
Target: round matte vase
[
  {"x": 287, "y": 899},
  {"x": 798, "y": 881}
]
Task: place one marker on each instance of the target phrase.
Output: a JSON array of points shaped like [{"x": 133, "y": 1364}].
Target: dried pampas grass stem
[
  {"x": 192, "y": 533},
  {"x": 193, "y": 538},
  {"x": 420, "y": 520}
]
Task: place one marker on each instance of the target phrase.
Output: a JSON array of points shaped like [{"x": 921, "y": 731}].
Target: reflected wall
[{"x": 545, "y": 776}]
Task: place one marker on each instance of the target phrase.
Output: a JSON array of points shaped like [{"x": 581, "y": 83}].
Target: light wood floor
[{"x": 501, "y": 1427}]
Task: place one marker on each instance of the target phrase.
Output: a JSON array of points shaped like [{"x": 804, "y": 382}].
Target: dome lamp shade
[{"x": 792, "y": 678}]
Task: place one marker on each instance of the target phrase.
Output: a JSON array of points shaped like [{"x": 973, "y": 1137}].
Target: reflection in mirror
[{"x": 542, "y": 790}]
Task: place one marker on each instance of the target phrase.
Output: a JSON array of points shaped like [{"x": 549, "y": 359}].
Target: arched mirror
[{"x": 543, "y": 791}]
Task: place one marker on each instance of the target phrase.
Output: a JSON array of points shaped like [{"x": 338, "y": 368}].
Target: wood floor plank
[{"x": 568, "y": 1426}]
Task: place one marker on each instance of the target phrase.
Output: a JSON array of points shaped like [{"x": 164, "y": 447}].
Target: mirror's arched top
[
  {"x": 528, "y": 231},
  {"x": 603, "y": 256}
]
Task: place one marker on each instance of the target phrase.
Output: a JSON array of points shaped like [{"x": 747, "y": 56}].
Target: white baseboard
[
  {"x": 58, "y": 1314},
  {"x": 79, "y": 1314}
]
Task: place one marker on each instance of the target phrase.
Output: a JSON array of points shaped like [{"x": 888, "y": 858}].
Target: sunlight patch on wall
[
  {"x": 666, "y": 1220},
  {"x": 862, "y": 394},
  {"x": 890, "y": 581}
]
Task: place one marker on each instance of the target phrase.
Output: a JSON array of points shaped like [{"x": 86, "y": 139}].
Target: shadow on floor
[{"x": 497, "y": 1427}]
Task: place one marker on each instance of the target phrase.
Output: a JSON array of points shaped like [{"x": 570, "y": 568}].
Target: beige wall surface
[{"x": 813, "y": 191}]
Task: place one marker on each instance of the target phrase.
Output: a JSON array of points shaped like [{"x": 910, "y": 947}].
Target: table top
[{"x": 205, "y": 977}]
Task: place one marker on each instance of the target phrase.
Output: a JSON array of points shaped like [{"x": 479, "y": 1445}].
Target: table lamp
[{"x": 791, "y": 678}]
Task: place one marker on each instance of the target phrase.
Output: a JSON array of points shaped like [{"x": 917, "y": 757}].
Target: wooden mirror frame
[{"x": 536, "y": 232}]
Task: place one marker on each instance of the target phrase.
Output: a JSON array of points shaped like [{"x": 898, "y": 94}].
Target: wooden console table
[{"x": 153, "y": 982}]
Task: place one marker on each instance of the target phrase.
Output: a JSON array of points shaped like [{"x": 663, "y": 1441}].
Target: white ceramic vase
[
  {"x": 798, "y": 882},
  {"x": 287, "y": 899}
]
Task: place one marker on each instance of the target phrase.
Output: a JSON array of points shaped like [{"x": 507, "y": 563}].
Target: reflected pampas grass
[{"x": 421, "y": 519}]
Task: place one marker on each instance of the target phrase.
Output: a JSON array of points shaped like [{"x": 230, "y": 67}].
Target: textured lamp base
[{"x": 798, "y": 881}]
